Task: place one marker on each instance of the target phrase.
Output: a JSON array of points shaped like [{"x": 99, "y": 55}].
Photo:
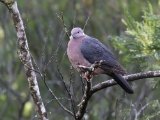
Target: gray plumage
[
  {"x": 84, "y": 50},
  {"x": 93, "y": 50}
]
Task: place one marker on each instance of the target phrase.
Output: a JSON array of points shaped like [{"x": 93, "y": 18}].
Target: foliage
[
  {"x": 142, "y": 38},
  {"x": 140, "y": 45},
  {"x": 138, "y": 49}
]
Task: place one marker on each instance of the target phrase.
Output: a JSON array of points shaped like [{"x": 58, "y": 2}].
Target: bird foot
[
  {"x": 86, "y": 72},
  {"x": 84, "y": 68},
  {"x": 86, "y": 75}
]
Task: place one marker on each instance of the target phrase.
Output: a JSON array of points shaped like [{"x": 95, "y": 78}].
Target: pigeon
[{"x": 83, "y": 51}]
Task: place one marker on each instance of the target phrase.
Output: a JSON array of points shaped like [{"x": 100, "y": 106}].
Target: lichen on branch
[{"x": 25, "y": 57}]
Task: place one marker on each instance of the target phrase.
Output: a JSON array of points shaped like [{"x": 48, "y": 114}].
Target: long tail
[{"x": 122, "y": 82}]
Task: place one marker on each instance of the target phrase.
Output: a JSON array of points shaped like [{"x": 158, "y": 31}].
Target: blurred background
[{"x": 131, "y": 28}]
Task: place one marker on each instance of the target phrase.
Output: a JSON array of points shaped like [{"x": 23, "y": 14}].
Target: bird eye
[{"x": 78, "y": 31}]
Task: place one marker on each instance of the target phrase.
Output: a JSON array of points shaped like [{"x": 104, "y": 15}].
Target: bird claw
[
  {"x": 97, "y": 64},
  {"x": 86, "y": 72},
  {"x": 86, "y": 75},
  {"x": 84, "y": 68}
]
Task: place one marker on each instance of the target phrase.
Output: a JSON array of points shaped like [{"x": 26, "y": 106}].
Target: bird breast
[{"x": 74, "y": 54}]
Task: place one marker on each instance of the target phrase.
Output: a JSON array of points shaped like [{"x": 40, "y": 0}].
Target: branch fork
[{"x": 87, "y": 72}]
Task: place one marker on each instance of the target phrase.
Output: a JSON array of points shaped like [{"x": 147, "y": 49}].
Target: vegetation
[{"x": 130, "y": 28}]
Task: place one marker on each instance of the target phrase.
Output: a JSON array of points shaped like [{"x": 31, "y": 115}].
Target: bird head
[{"x": 76, "y": 33}]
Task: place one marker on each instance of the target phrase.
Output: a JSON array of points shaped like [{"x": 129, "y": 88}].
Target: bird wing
[{"x": 93, "y": 50}]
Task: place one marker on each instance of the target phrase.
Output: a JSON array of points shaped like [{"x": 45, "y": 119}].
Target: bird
[{"x": 84, "y": 50}]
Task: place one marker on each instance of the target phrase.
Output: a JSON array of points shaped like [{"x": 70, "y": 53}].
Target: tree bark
[
  {"x": 25, "y": 57},
  {"x": 89, "y": 91}
]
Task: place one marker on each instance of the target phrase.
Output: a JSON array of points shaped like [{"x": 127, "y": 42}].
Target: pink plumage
[{"x": 84, "y": 50}]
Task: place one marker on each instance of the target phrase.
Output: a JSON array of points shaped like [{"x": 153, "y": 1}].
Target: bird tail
[{"x": 122, "y": 82}]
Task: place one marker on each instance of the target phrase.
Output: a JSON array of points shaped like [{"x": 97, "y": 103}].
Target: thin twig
[
  {"x": 85, "y": 99},
  {"x": 61, "y": 76},
  {"x": 61, "y": 17},
  {"x": 68, "y": 91},
  {"x": 62, "y": 106},
  {"x": 74, "y": 19},
  {"x": 55, "y": 97},
  {"x": 142, "y": 109},
  {"x": 86, "y": 22},
  {"x": 53, "y": 58}
]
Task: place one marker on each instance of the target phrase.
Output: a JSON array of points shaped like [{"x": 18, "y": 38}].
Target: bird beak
[{"x": 71, "y": 37}]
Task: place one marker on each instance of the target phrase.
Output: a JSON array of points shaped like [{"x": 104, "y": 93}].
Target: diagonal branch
[
  {"x": 52, "y": 93},
  {"x": 25, "y": 57},
  {"x": 85, "y": 99},
  {"x": 89, "y": 91},
  {"x": 131, "y": 77}
]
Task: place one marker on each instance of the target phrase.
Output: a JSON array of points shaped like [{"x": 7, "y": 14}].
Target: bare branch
[
  {"x": 89, "y": 90},
  {"x": 137, "y": 113},
  {"x": 60, "y": 16},
  {"x": 62, "y": 106},
  {"x": 43, "y": 77},
  {"x": 85, "y": 99},
  {"x": 131, "y": 77},
  {"x": 86, "y": 22},
  {"x": 25, "y": 57},
  {"x": 68, "y": 92}
]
